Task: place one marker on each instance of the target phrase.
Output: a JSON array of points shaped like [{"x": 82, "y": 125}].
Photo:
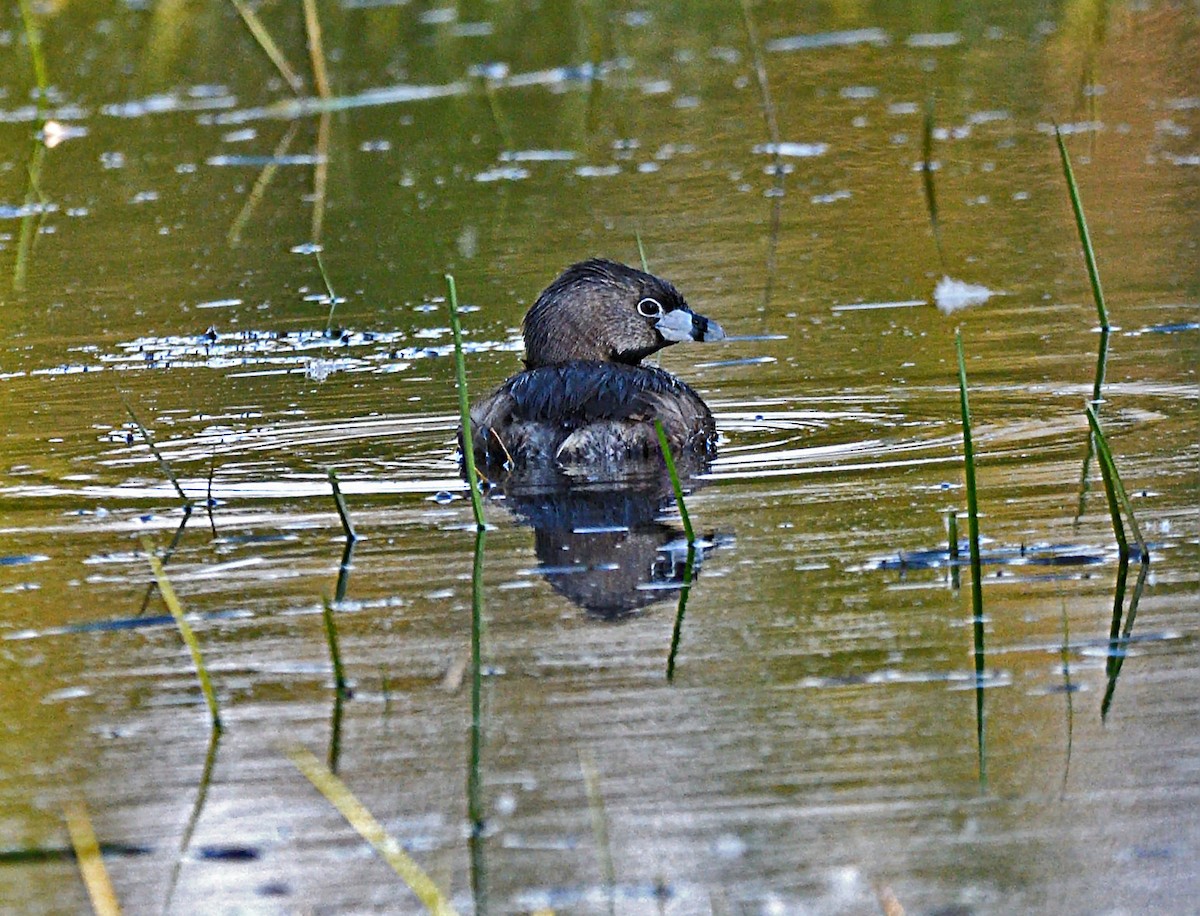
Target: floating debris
[{"x": 950, "y": 295}]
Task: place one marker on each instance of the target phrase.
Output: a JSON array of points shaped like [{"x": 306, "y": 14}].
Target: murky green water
[{"x": 819, "y": 747}]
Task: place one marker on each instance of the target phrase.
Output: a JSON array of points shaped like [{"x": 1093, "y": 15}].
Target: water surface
[{"x": 821, "y": 747}]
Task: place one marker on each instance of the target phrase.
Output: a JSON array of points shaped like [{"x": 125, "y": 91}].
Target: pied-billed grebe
[{"x": 584, "y": 398}]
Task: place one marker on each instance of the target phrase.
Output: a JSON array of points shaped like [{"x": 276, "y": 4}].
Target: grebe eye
[{"x": 650, "y": 308}]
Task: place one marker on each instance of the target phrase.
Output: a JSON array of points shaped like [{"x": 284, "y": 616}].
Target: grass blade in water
[
  {"x": 185, "y": 630},
  {"x": 343, "y": 514},
  {"x": 1085, "y": 238},
  {"x": 976, "y": 564},
  {"x": 670, "y": 460},
  {"x": 316, "y": 51},
  {"x": 952, "y": 538},
  {"x": 680, "y": 610},
  {"x": 464, "y": 406},
  {"x": 1119, "y": 649},
  {"x": 371, "y": 830},
  {"x": 331, "y": 637},
  {"x": 1117, "y": 497},
  {"x": 969, "y": 469},
  {"x": 149, "y": 440},
  {"x": 475, "y": 841},
  {"x": 267, "y": 43},
  {"x": 33, "y": 35},
  {"x": 91, "y": 863}
]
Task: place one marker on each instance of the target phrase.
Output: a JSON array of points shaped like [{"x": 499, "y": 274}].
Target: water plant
[
  {"x": 952, "y": 541},
  {"x": 34, "y": 215},
  {"x": 268, "y": 45},
  {"x": 361, "y": 819},
  {"x": 331, "y": 637},
  {"x": 1120, "y": 629},
  {"x": 969, "y": 471},
  {"x": 185, "y": 630},
  {"x": 158, "y": 456},
  {"x": 316, "y": 49},
  {"x": 340, "y": 502},
  {"x": 35, "y": 210},
  {"x": 464, "y": 405},
  {"x": 976, "y": 564},
  {"x": 33, "y": 37},
  {"x": 1118, "y": 499},
  {"x": 91, "y": 862},
  {"x": 675, "y": 484},
  {"x": 680, "y": 610},
  {"x": 475, "y": 753},
  {"x": 1120, "y": 634},
  {"x": 475, "y": 814},
  {"x": 690, "y": 534},
  {"x": 1097, "y": 387},
  {"x": 1085, "y": 238}
]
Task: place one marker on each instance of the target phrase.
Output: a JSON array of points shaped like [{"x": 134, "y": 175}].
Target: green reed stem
[
  {"x": 464, "y": 406},
  {"x": 185, "y": 630},
  {"x": 33, "y": 36},
  {"x": 1085, "y": 239},
  {"x": 670, "y": 461},
  {"x": 1115, "y": 490},
  {"x": 344, "y": 567},
  {"x": 972, "y": 498},
  {"x": 952, "y": 538},
  {"x": 1119, "y": 647},
  {"x": 340, "y": 502},
  {"x": 361, "y": 819},
  {"x": 641, "y": 251},
  {"x": 976, "y": 564},
  {"x": 475, "y": 812},
  {"x": 162, "y": 462},
  {"x": 680, "y": 610},
  {"x": 331, "y": 637}
]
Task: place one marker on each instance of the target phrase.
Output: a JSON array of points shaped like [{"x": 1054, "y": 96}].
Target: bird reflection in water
[{"x": 605, "y": 543}]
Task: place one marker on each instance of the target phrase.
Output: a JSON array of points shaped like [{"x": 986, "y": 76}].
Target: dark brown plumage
[{"x": 584, "y": 398}]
